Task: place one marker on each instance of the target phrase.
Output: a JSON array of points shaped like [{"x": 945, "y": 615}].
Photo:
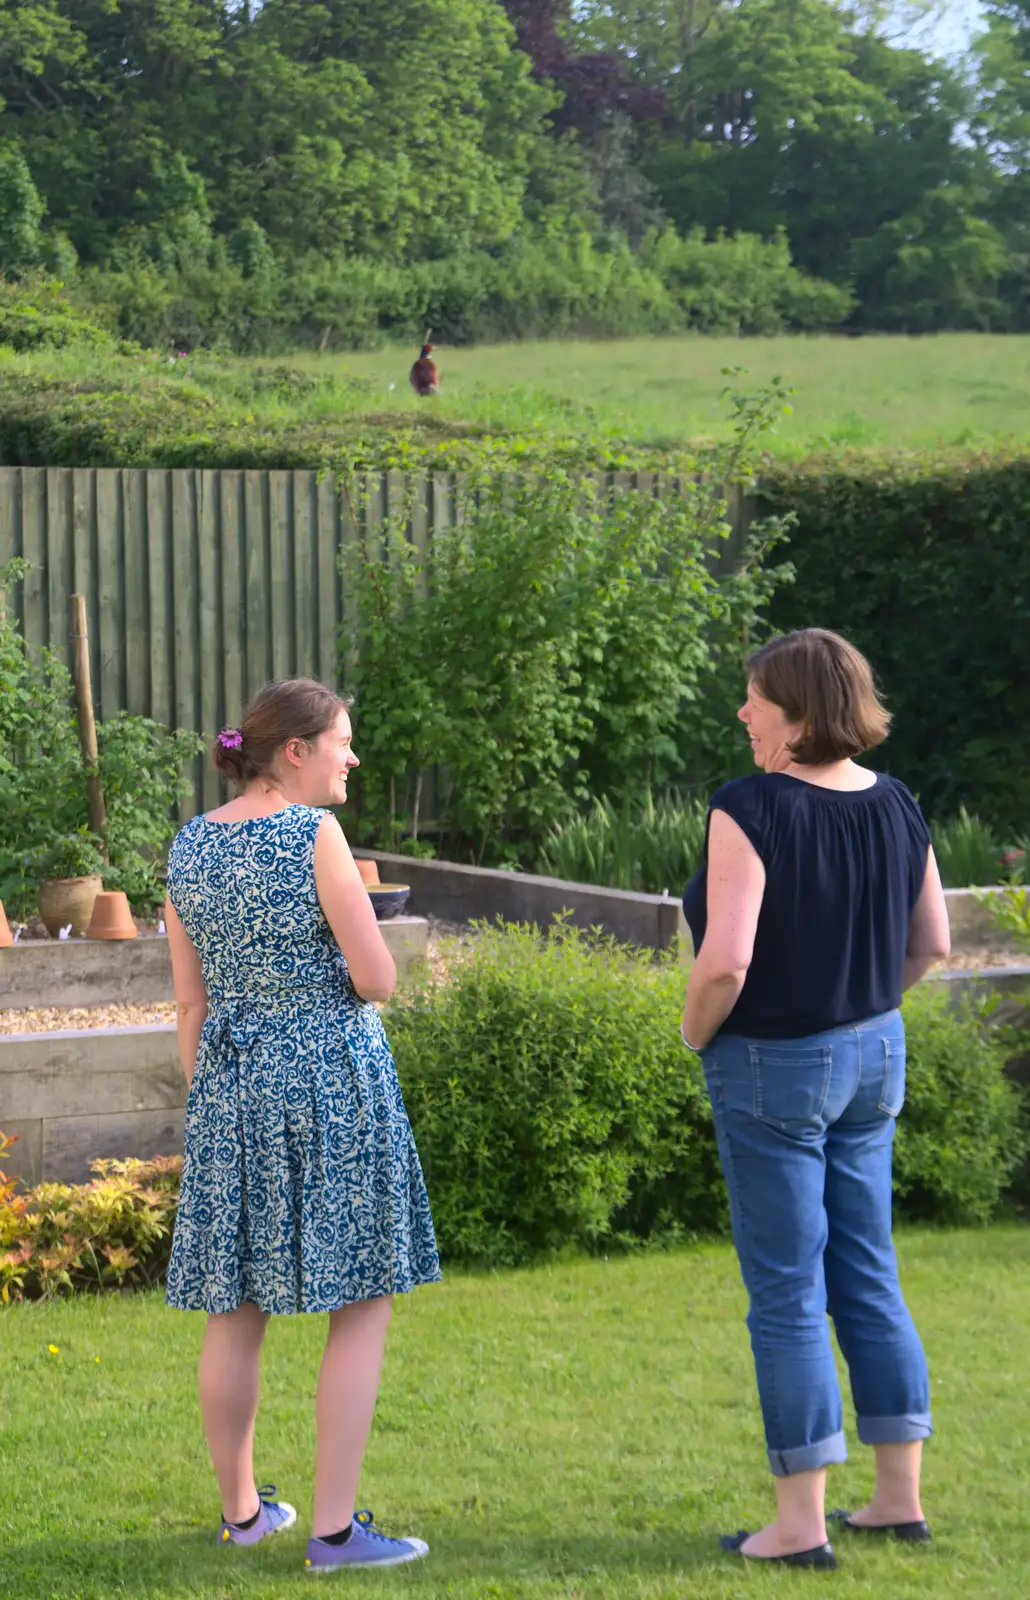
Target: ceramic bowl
[{"x": 388, "y": 899}]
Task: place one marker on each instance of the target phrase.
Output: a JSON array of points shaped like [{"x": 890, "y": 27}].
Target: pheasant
[{"x": 425, "y": 379}]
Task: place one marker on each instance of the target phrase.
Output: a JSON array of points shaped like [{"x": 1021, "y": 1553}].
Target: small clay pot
[
  {"x": 112, "y": 918},
  {"x": 68, "y": 900},
  {"x": 369, "y": 871},
  {"x": 6, "y": 936}
]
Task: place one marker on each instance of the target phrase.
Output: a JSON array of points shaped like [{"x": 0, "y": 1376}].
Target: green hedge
[
  {"x": 924, "y": 562},
  {"x": 555, "y": 1111},
  {"x": 555, "y": 1107}
]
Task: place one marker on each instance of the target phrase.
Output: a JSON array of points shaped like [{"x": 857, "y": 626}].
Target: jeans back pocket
[
  {"x": 892, "y": 1091},
  {"x": 791, "y": 1083}
]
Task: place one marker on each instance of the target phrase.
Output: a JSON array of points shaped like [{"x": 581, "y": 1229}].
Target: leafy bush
[
  {"x": 648, "y": 847},
  {"x": 924, "y": 563},
  {"x": 70, "y": 855},
  {"x": 960, "y": 1138},
  {"x": 44, "y": 820},
  {"x": 40, "y": 317},
  {"x": 59, "y": 1238},
  {"x": 145, "y": 769},
  {"x": 556, "y": 1110},
  {"x": 550, "y": 639},
  {"x": 553, "y": 1103},
  {"x": 545, "y": 283}
]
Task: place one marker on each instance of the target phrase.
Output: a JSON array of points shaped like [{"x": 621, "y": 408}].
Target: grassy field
[
  {"x": 581, "y": 1431},
  {"x": 641, "y": 397},
  {"x": 956, "y": 389}
]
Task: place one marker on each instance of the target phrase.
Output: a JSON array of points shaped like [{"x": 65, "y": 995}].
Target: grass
[
  {"x": 952, "y": 389},
  {"x": 947, "y": 390},
  {"x": 584, "y": 1430}
]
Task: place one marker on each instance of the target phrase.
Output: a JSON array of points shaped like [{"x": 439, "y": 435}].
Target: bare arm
[
  {"x": 736, "y": 885},
  {"x": 929, "y": 936},
  {"x": 348, "y": 911},
  {"x": 190, "y": 993}
]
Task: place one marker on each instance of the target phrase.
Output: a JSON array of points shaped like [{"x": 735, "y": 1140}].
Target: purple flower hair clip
[{"x": 230, "y": 738}]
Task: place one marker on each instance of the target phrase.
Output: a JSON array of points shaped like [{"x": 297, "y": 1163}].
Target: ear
[{"x": 293, "y": 750}]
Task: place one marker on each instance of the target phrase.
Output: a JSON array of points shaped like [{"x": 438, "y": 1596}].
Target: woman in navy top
[{"x": 819, "y": 901}]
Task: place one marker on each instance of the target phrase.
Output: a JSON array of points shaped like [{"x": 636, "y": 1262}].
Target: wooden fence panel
[{"x": 202, "y": 584}]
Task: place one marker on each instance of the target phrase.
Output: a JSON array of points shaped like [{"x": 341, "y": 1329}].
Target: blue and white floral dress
[{"x": 301, "y": 1185}]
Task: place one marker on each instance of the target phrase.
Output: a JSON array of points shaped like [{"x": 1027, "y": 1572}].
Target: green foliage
[
  {"x": 69, "y": 855},
  {"x": 969, "y": 854},
  {"x": 651, "y": 847},
  {"x": 540, "y": 646},
  {"x": 144, "y": 770},
  {"x": 1011, "y": 912},
  {"x": 961, "y": 1138},
  {"x": 576, "y": 1119},
  {"x": 923, "y": 562},
  {"x": 21, "y": 213},
  {"x": 115, "y": 1231},
  {"x": 554, "y": 1106},
  {"x": 44, "y": 824},
  {"x": 39, "y": 758},
  {"x": 39, "y": 316}
]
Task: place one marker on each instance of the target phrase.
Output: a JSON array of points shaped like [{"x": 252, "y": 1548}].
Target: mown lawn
[{"x": 586, "y": 1429}]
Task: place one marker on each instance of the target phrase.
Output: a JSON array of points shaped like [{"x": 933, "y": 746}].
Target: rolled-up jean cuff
[
  {"x": 829, "y": 1452},
  {"x": 895, "y": 1430}
]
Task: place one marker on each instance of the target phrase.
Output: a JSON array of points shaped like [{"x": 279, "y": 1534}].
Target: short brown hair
[
  {"x": 819, "y": 679},
  {"x": 292, "y": 708}
]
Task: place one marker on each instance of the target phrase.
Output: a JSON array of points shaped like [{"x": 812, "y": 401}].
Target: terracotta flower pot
[
  {"x": 68, "y": 900},
  {"x": 369, "y": 872},
  {"x": 6, "y": 936},
  {"x": 112, "y": 918}
]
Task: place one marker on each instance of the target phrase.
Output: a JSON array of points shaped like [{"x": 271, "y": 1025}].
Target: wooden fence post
[{"x": 79, "y": 641}]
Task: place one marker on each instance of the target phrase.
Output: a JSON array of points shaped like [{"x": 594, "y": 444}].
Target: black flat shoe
[
  {"x": 821, "y": 1556},
  {"x": 913, "y": 1532}
]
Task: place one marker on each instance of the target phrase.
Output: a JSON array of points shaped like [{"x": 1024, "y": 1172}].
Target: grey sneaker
[
  {"x": 366, "y": 1547},
  {"x": 274, "y": 1516}
]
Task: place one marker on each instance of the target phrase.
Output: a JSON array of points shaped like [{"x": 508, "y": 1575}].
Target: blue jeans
[{"x": 805, "y": 1129}]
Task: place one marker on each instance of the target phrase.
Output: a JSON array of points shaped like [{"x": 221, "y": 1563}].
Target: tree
[{"x": 21, "y": 213}]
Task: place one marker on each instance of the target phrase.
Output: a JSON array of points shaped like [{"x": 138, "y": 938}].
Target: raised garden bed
[{"x": 53, "y": 974}]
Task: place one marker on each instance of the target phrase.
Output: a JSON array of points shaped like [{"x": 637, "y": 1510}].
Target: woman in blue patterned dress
[{"x": 301, "y": 1186}]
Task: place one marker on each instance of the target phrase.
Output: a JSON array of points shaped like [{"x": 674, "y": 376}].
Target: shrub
[
  {"x": 544, "y": 644},
  {"x": 552, "y": 1100},
  {"x": 556, "y": 1110},
  {"x": 923, "y": 562},
  {"x": 554, "y": 1106},
  {"x": 115, "y": 1231},
  {"x": 44, "y": 822},
  {"x": 960, "y": 1138},
  {"x": 39, "y": 317}
]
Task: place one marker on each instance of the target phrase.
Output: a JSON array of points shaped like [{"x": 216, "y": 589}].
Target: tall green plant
[
  {"x": 541, "y": 646},
  {"x": 652, "y": 846}
]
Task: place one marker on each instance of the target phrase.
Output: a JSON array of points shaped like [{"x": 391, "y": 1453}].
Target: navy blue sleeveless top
[{"x": 843, "y": 872}]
